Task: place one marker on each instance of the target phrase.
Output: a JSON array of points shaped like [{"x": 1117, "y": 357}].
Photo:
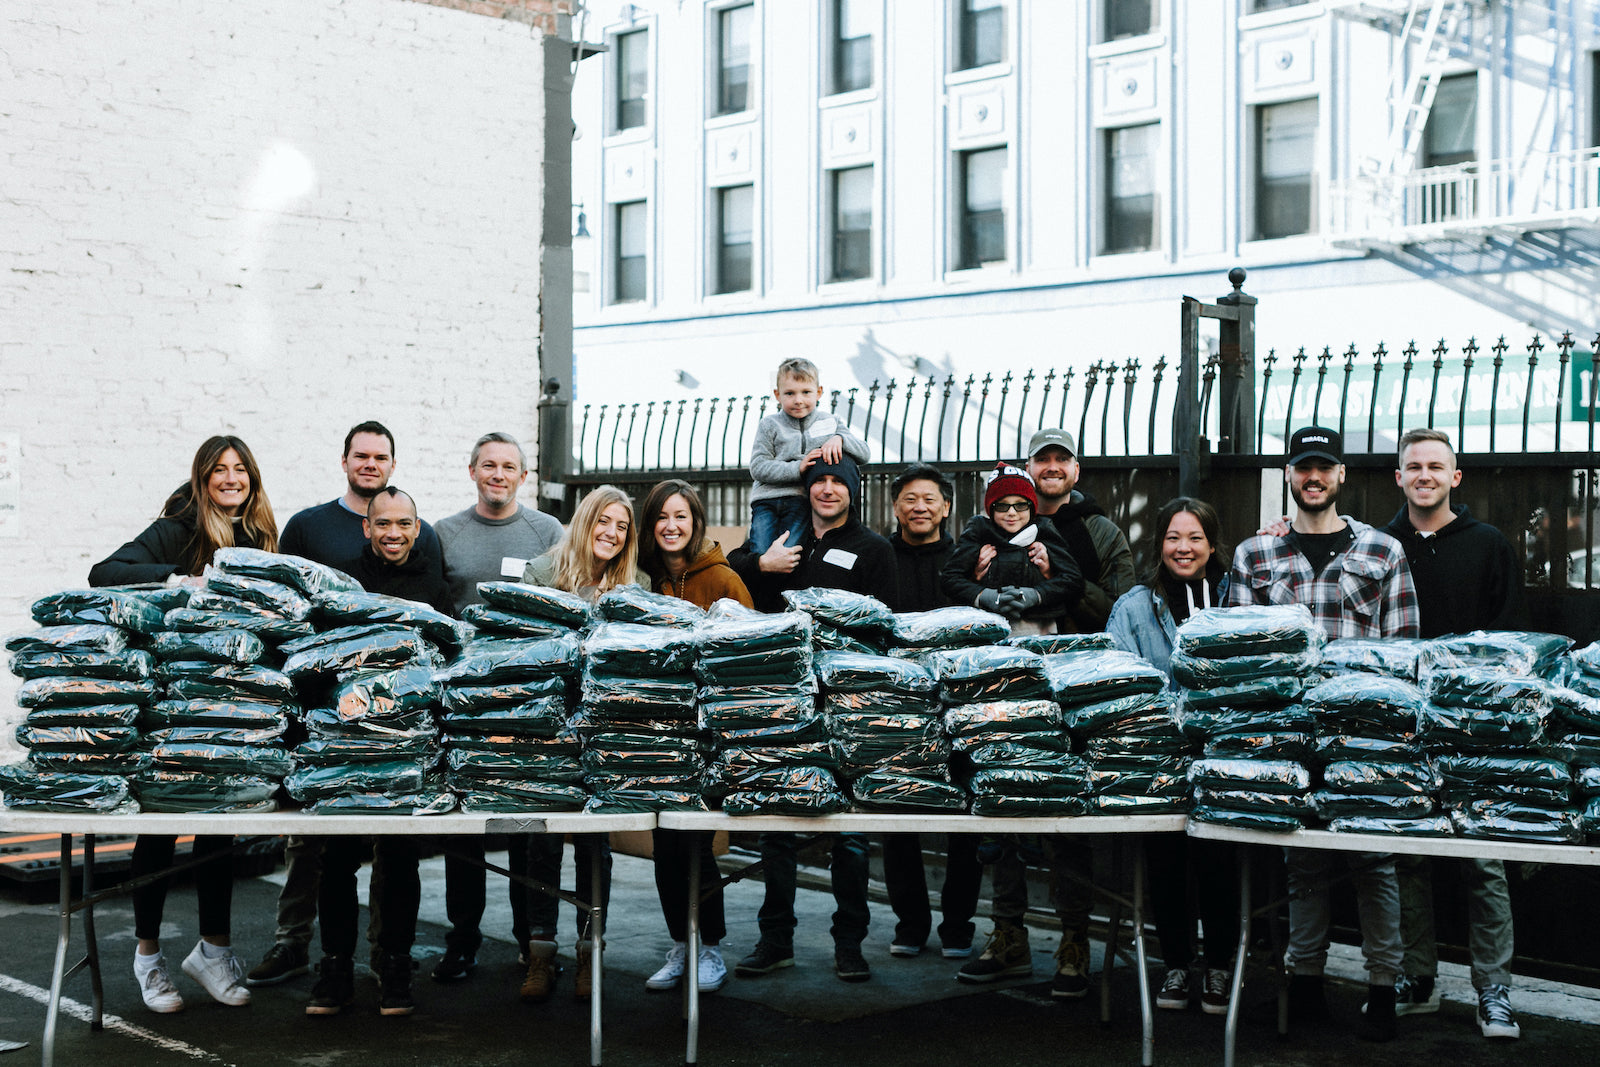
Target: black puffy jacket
[{"x": 1011, "y": 567}]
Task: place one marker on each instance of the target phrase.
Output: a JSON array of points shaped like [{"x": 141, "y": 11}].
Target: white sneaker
[
  {"x": 671, "y": 972},
  {"x": 156, "y": 987},
  {"x": 223, "y": 977},
  {"x": 713, "y": 972}
]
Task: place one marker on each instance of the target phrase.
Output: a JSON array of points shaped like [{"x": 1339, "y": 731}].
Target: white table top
[
  {"x": 916, "y": 822},
  {"x": 1401, "y": 844},
  {"x": 299, "y": 823}
]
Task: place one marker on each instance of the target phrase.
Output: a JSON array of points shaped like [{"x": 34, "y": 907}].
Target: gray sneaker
[{"x": 1494, "y": 1013}]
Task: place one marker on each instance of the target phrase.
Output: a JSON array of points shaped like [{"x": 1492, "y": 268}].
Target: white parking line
[{"x": 116, "y": 1023}]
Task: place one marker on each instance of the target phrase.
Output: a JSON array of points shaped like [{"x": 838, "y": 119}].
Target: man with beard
[
  {"x": 1355, "y": 582},
  {"x": 332, "y": 534},
  {"x": 1097, "y": 545}
]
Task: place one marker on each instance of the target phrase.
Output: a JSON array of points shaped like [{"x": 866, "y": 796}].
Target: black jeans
[
  {"x": 907, "y": 883},
  {"x": 533, "y": 914},
  {"x": 849, "y": 875},
  {"x": 399, "y": 893},
  {"x": 213, "y": 885},
  {"x": 675, "y": 850},
  {"x": 1170, "y": 860}
]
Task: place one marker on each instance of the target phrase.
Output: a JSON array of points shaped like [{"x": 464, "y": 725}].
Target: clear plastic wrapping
[
  {"x": 900, "y": 729},
  {"x": 27, "y": 788},
  {"x": 1091, "y": 677},
  {"x": 1366, "y": 704},
  {"x": 634, "y": 604},
  {"x": 738, "y": 636},
  {"x": 1140, "y": 713},
  {"x": 732, "y": 765},
  {"x": 754, "y": 712},
  {"x": 1058, "y": 644},
  {"x": 203, "y": 791},
  {"x": 925, "y": 758},
  {"x": 827, "y": 639},
  {"x": 1203, "y": 722},
  {"x": 491, "y": 663},
  {"x": 1332, "y": 804},
  {"x": 624, "y": 698},
  {"x": 270, "y": 629},
  {"x": 1265, "y": 692},
  {"x": 110, "y": 607},
  {"x": 130, "y": 665},
  {"x": 217, "y": 646},
  {"x": 1138, "y": 804},
  {"x": 488, "y": 795},
  {"x": 457, "y": 698},
  {"x": 640, "y": 651},
  {"x": 1263, "y": 744},
  {"x": 1044, "y": 751},
  {"x": 261, "y": 760},
  {"x": 82, "y": 637},
  {"x": 65, "y": 692},
  {"x": 954, "y": 627},
  {"x": 384, "y": 694},
  {"x": 1330, "y": 747},
  {"x": 992, "y": 672},
  {"x": 1139, "y": 783},
  {"x": 488, "y": 762},
  {"x": 274, "y": 596},
  {"x": 332, "y": 751},
  {"x": 1008, "y": 805},
  {"x": 345, "y": 608},
  {"x": 842, "y": 609},
  {"x": 317, "y": 782},
  {"x": 406, "y": 725},
  {"x": 534, "y": 718},
  {"x": 630, "y": 799},
  {"x": 1253, "y": 630},
  {"x": 1004, "y": 716},
  {"x": 1293, "y": 805},
  {"x": 1491, "y": 729},
  {"x": 215, "y": 735},
  {"x": 1269, "y": 776},
  {"x": 1425, "y": 826},
  {"x": 1395, "y": 657},
  {"x": 884, "y": 790},
  {"x": 90, "y": 762},
  {"x": 1031, "y": 781},
  {"x": 852, "y": 672},
  {"x": 86, "y": 715},
  {"x": 429, "y": 803},
  {"x": 96, "y": 738},
  {"x": 379, "y": 650},
  {"x": 884, "y": 702},
  {"x": 1512, "y": 652},
  {"x": 1499, "y": 819},
  {"x": 754, "y": 802},
  {"x": 487, "y": 619},
  {"x": 1393, "y": 779},
  {"x": 251, "y": 682},
  {"x": 1489, "y": 688},
  {"x": 793, "y": 733},
  {"x": 541, "y": 602},
  {"x": 306, "y": 576},
  {"x": 1245, "y": 820},
  {"x": 1204, "y": 672}
]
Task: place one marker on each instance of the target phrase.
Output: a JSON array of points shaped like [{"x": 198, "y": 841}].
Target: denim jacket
[{"x": 1141, "y": 623}]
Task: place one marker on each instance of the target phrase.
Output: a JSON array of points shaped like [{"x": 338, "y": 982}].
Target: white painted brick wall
[{"x": 273, "y": 218}]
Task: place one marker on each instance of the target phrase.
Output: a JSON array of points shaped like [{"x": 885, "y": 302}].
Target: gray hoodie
[{"x": 782, "y": 442}]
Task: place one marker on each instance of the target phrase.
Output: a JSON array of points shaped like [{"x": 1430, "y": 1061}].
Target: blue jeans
[
  {"x": 771, "y": 517},
  {"x": 849, "y": 872}
]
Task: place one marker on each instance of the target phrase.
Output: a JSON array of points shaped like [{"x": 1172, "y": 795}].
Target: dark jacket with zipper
[
  {"x": 1467, "y": 575},
  {"x": 1012, "y": 567},
  {"x": 917, "y": 572},
  {"x": 849, "y": 557}
]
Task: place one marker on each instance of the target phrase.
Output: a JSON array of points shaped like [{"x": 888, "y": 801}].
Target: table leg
[
  {"x": 1146, "y": 1009},
  {"x": 1231, "y": 1033},
  {"x": 597, "y": 941},
  {"x": 691, "y": 979},
  {"x": 92, "y": 945},
  {"x": 1113, "y": 930},
  {"x": 63, "y": 936}
]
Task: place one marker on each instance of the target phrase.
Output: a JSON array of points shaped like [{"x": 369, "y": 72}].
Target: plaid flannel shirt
[{"x": 1365, "y": 591}]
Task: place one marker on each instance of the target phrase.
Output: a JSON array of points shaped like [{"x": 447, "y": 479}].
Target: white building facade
[{"x": 900, "y": 189}]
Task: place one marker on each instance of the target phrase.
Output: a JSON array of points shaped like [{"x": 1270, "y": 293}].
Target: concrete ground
[{"x": 911, "y": 1012}]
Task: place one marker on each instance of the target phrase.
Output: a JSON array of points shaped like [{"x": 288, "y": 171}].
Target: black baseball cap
[{"x": 1315, "y": 442}]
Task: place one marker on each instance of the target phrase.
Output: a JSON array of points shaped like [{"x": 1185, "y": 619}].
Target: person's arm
[
  {"x": 1401, "y": 615},
  {"x": 1065, "y": 586},
  {"x": 732, "y": 587},
  {"x": 765, "y": 465},
  {"x": 956, "y": 578},
  {"x": 853, "y": 446},
  {"x": 1119, "y": 626},
  {"x": 153, "y": 556},
  {"x": 1116, "y": 559}
]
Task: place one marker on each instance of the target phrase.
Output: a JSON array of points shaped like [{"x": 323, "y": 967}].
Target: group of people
[{"x": 1042, "y": 553}]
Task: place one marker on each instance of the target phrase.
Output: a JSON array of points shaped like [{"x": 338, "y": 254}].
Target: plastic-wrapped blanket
[
  {"x": 1205, "y": 672},
  {"x": 81, "y": 637},
  {"x": 317, "y": 782},
  {"x": 1262, "y": 744},
  {"x": 352, "y": 608},
  {"x": 1393, "y": 779},
  {"x": 1003, "y": 716},
  {"x": 373, "y": 651},
  {"x": 1057, "y": 644},
  {"x": 67, "y": 692},
  {"x": 457, "y": 698},
  {"x": 1267, "y": 776},
  {"x": 852, "y": 672},
  {"x": 886, "y": 790},
  {"x": 308, "y": 577},
  {"x": 1255, "y": 630},
  {"x": 261, "y": 760},
  {"x": 131, "y": 665},
  {"x": 639, "y": 651},
  {"x": 1331, "y": 805},
  {"x": 1510, "y": 652},
  {"x": 1368, "y": 705},
  {"x": 953, "y": 627},
  {"x": 85, "y": 715},
  {"x": 1446, "y": 729},
  {"x": 632, "y": 604},
  {"x": 425, "y": 803},
  {"x": 109, "y": 607},
  {"x": 172, "y": 789},
  {"x": 1092, "y": 677},
  {"x": 270, "y": 629},
  {"x": 1204, "y": 722},
  {"x": 274, "y": 596},
  {"x": 1395, "y": 657},
  {"x": 1331, "y": 747},
  {"x": 28, "y": 788},
  {"x": 251, "y": 682},
  {"x": 1499, "y": 819},
  {"x": 1488, "y": 688},
  {"x": 1265, "y": 692},
  {"x": 1426, "y": 826},
  {"x": 544, "y": 717},
  {"x": 988, "y": 673},
  {"x": 216, "y": 646},
  {"x": 489, "y": 620},
  {"x": 841, "y": 609},
  {"x": 487, "y": 663},
  {"x": 540, "y": 602}
]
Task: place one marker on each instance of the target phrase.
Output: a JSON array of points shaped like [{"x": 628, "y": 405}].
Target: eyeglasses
[{"x": 1021, "y": 505}]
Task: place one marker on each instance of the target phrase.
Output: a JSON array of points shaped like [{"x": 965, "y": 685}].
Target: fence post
[
  {"x": 555, "y": 450},
  {"x": 1236, "y": 350},
  {"x": 1186, "y": 406}
]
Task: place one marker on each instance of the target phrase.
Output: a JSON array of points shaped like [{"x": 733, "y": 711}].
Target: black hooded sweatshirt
[{"x": 1467, "y": 575}]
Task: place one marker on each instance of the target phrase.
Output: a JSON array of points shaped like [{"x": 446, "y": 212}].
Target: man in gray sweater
[{"x": 491, "y": 541}]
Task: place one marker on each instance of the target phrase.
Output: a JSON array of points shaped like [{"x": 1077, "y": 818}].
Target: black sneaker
[
  {"x": 1415, "y": 994},
  {"x": 336, "y": 986},
  {"x": 454, "y": 965},
  {"x": 764, "y": 959},
  {"x": 1174, "y": 995},
  {"x": 394, "y": 984},
  {"x": 1072, "y": 971},
  {"x": 849, "y": 964},
  {"x": 1494, "y": 1013},
  {"x": 281, "y": 963},
  {"x": 1377, "y": 1018}
]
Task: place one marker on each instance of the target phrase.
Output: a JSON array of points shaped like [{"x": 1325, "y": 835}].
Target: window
[
  {"x": 631, "y": 245},
  {"x": 1129, "y": 18},
  {"x": 633, "y": 78},
  {"x": 733, "y": 58},
  {"x": 983, "y": 216},
  {"x": 982, "y": 33},
  {"x": 1130, "y": 222},
  {"x": 852, "y": 45},
  {"x": 1286, "y": 145},
  {"x": 852, "y": 224},
  {"x": 735, "y": 218},
  {"x": 1273, "y": 5},
  {"x": 1594, "y": 99},
  {"x": 1450, "y": 137}
]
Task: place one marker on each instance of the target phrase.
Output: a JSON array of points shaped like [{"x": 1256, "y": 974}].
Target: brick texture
[{"x": 273, "y": 218}]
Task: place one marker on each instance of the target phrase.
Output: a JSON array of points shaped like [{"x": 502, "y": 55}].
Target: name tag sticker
[
  {"x": 825, "y": 427},
  {"x": 840, "y": 558},
  {"x": 512, "y": 567}
]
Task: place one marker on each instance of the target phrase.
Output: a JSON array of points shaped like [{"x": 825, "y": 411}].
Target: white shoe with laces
[
  {"x": 156, "y": 986},
  {"x": 712, "y": 971},
  {"x": 222, "y": 976},
  {"x": 671, "y": 972}
]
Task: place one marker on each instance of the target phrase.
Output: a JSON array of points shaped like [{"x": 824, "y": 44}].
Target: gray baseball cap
[{"x": 1046, "y": 438}]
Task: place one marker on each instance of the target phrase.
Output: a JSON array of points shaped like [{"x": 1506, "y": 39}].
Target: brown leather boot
[{"x": 542, "y": 971}]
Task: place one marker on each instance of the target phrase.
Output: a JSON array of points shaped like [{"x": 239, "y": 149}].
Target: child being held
[
  {"x": 991, "y": 566},
  {"x": 787, "y": 442}
]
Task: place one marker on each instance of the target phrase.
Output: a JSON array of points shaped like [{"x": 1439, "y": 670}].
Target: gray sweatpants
[
  {"x": 1489, "y": 937},
  {"x": 1377, "y": 901}
]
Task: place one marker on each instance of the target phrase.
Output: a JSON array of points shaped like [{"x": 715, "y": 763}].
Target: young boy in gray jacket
[{"x": 787, "y": 442}]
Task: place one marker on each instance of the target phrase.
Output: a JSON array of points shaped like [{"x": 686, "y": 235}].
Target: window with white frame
[
  {"x": 734, "y": 28},
  {"x": 1451, "y": 135},
  {"x": 1130, "y": 189},
  {"x": 981, "y": 32},
  {"x": 632, "y": 243},
  {"x": 1273, "y": 5},
  {"x": 1286, "y": 149},
  {"x": 633, "y": 79},
  {"x": 852, "y": 223},
  {"x": 851, "y": 65},
  {"x": 735, "y": 237},
  {"x": 1129, "y": 18},
  {"x": 983, "y": 214}
]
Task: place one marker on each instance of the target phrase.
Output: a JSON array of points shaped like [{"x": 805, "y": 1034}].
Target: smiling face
[
  {"x": 610, "y": 533},
  {"x": 1054, "y": 471},
  {"x": 368, "y": 464},
  {"x": 498, "y": 474},
  {"x": 1314, "y": 484},
  {"x": 830, "y": 500},
  {"x": 797, "y": 396},
  {"x": 228, "y": 484},
  {"x": 674, "y": 526},
  {"x": 1185, "y": 550},
  {"x": 920, "y": 509},
  {"x": 1427, "y": 474},
  {"x": 391, "y": 526},
  {"x": 1012, "y": 512}
]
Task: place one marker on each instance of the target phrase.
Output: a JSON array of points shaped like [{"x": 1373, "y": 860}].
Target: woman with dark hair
[
  {"x": 1188, "y": 574},
  {"x": 224, "y": 505},
  {"x": 682, "y": 563}
]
